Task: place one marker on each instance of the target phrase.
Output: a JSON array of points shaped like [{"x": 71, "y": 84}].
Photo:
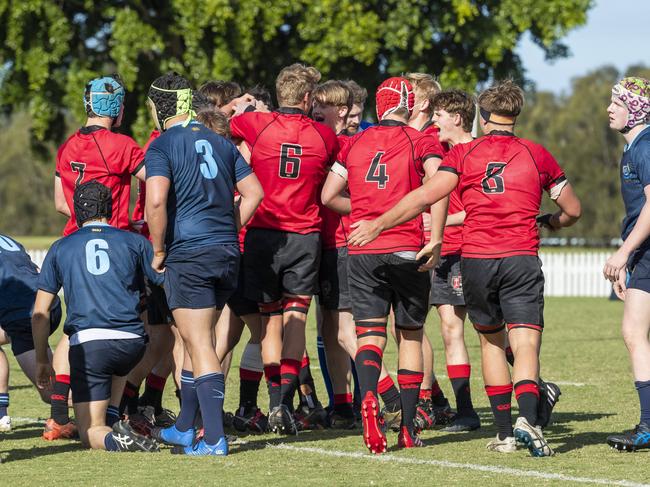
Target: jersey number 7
[{"x": 78, "y": 167}]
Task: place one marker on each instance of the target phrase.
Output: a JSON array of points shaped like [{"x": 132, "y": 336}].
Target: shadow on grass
[
  {"x": 31, "y": 452},
  {"x": 259, "y": 443},
  {"x": 24, "y": 432}
]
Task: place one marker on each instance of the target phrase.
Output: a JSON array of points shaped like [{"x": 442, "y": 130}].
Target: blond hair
[
  {"x": 333, "y": 93},
  {"x": 294, "y": 82},
  {"x": 424, "y": 85},
  {"x": 216, "y": 121},
  {"x": 505, "y": 98}
]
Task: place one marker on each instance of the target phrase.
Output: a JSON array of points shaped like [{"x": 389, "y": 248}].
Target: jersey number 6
[
  {"x": 97, "y": 261},
  {"x": 493, "y": 181},
  {"x": 289, "y": 162}
]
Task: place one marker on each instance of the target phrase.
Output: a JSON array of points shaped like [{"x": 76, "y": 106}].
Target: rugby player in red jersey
[
  {"x": 290, "y": 153},
  {"x": 501, "y": 179},
  {"x": 453, "y": 113},
  {"x": 379, "y": 166},
  {"x": 92, "y": 152}
]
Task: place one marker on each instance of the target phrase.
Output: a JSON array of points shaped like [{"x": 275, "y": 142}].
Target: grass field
[{"x": 582, "y": 351}]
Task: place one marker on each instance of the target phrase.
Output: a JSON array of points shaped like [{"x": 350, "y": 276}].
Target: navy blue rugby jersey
[
  {"x": 101, "y": 269},
  {"x": 635, "y": 176},
  {"x": 203, "y": 168},
  {"x": 18, "y": 282}
]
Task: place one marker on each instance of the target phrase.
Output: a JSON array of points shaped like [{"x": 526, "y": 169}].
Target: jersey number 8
[
  {"x": 492, "y": 183},
  {"x": 97, "y": 261}
]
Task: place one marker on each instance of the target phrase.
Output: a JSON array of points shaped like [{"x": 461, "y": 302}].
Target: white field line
[
  {"x": 442, "y": 376},
  {"x": 388, "y": 458}
]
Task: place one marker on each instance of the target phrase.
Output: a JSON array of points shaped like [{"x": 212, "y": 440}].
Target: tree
[
  {"x": 575, "y": 129},
  {"x": 48, "y": 50}
]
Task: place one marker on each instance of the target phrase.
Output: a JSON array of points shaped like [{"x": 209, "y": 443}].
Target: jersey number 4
[
  {"x": 377, "y": 172},
  {"x": 493, "y": 181},
  {"x": 78, "y": 167},
  {"x": 289, "y": 161}
]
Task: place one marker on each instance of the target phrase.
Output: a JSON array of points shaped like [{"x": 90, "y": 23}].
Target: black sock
[
  {"x": 59, "y": 399},
  {"x": 510, "y": 357},
  {"x": 459, "y": 377},
  {"x": 129, "y": 402},
  {"x": 527, "y": 394},
  {"x": 305, "y": 379},
  {"x": 272, "y": 374},
  {"x": 409, "y": 384},
  {"x": 500, "y": 398},
  {"x": 389, "y": 394},
  {"x": 153, "y": 392},
  {"x": 368, "y": 364},
  {"x": 249, "y": 383}
]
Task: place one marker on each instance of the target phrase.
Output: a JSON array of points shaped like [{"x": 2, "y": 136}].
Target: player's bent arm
[
  {"x": 438, "y": 209},
  {"x": 455, "y": 219},
  {"x": 60, "y": 203},
  {"x": 641, "y": 230},
  {"x": 156, "y": 210},
  {"x": 40, "y": 333},
  {"x": 244, "y": 151},
  {"x": 332, "y": 194},
  {"x": 570, "y": 209},
  {"x": 252, "y": 194},
  {"x": 410, "y": 206}
]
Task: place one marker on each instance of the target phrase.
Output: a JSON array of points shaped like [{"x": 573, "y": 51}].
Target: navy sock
[
  {"x": 210, "y": 389},
  {"x": 112, "y": 415},
  {"x": 109, "y": 442},
  {"x": 322, "y": 362},
  {"x": 189, "y": 402},
  {"x": 4, "y": 403},
  {"x": 643, "y": 388}
]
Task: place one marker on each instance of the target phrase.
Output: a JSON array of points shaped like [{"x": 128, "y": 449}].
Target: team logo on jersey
[
  {"x": 457, "y": 282},
  {"x": 628, "y": 173}
]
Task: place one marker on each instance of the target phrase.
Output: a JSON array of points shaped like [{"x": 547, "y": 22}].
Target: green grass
[{"x": 582, "y": 344}]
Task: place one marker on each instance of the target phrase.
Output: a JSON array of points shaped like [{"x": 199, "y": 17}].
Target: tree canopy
[{"x": 49, "y": 50}]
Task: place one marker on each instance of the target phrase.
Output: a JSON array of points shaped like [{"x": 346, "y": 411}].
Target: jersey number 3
[
  {"x": 97, "y": 261},
  {"x": 289, "y": 161},
  {"x": 209, "y": 167},
  {"x": 493, "y": 181},
  {"x": 377, "y": 172}
]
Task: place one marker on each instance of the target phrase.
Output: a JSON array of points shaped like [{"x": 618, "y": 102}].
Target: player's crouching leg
[{"x": 98, "y": 371}]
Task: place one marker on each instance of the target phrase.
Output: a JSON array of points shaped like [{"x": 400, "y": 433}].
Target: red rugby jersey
[
  {"x": 138, "y": 211},
  {"x": 289, "y": 154},
  {"x": 384, "y": 163},
  {"x": 97, "y": 153},
  {"x": 431, "y": 129},
  {"x": 501, "y": 179},
  {"x": 335, "y": 228}
]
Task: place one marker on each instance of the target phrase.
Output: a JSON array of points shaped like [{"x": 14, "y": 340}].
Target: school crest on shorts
[{"x": 457, "y": 282}]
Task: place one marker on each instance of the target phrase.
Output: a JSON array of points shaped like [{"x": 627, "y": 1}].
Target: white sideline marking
[
  {"x": 26, "y": 420},
  {"x": 464, "y": 466}
]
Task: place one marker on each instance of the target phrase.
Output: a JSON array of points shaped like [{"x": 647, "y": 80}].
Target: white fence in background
[{"x": 566, "y": 273}]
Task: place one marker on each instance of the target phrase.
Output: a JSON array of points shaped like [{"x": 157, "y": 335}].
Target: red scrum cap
[{"x": 392, "y": 94}]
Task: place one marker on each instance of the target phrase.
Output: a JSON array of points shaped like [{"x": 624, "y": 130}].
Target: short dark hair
[
  {"x": 215, "y": 120},
  {"x": 456, "y": 101},
  {"x": 504, "y": 98},
  {"x": 359, "y": 93},
  {"x": 260, "y": 93}
]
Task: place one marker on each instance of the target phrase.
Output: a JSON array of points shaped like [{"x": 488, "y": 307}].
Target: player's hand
[
  {"x": 158, "y": 262},
  {"x": 365, "y": 231},
  {"x": 614, "y": 265},
  {"x": 431, "y": 252},
  {"x": 44, "y": 374},
  {"x": 544, "y": 221},
  {"x": 619, "y": 285}
]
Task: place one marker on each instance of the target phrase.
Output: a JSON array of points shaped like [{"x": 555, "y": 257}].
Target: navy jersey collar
[
  {"x": 90, "y": 129},
  {"x": 505, "y": 133},
  {"x": 391, "y": 123},
  {"x": 637, "y": 138},
  {"x": 290, "y": 111}
]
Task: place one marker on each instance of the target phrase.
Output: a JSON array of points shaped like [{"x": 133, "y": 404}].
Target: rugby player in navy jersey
[
  {"x": 18, "y": 281},
  {"x": 629, "y": 113},
  {"x": 101, "y": 270},
  {"x": 192, "y": 174},
  {"x": 503, "y": 283}
]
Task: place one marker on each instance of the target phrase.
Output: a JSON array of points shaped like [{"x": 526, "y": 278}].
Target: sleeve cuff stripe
[
  {"x": 137, "y": 168},
  {"x": 448, "y": 169},
  {"x": 433, "y": 154}
]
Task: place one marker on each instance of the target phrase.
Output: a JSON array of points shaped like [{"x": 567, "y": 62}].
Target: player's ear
[
  {"x": 425, "y": 105},
  {"x": 458, "y": 120},
  {"x": 343, "y": 112}
]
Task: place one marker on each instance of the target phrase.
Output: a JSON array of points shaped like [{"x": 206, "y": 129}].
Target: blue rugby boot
[
  {"x": 171, "y": 436},
  {"x": 201, "y": 449},
  {"x": 630, "y": 441}
]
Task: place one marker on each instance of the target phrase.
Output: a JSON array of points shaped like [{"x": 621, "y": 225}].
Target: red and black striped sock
[
  {"x": 500, "y": 398},
  {"x": 459, "y": 377},
  {"x": 153, "y": 392},
  {"x": 272, "y": 374},
  {"x": 343, "y": 404},
  {"x": 306, "y": 379},
  {"x": 249, "y": 383},
  {"x": 409, "y": 385},
  {"x": 59, "y": 399},
  {"x": 368, "y": 364},
  {"x": 129, "y": 402},
  {"x": 289, "y": 370},
  {"x": 425, "y": 394},
  {"x": 527, "y": 394},
  {"x": 389, "y": 394},
  {"x": 437, "y": 396}
]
